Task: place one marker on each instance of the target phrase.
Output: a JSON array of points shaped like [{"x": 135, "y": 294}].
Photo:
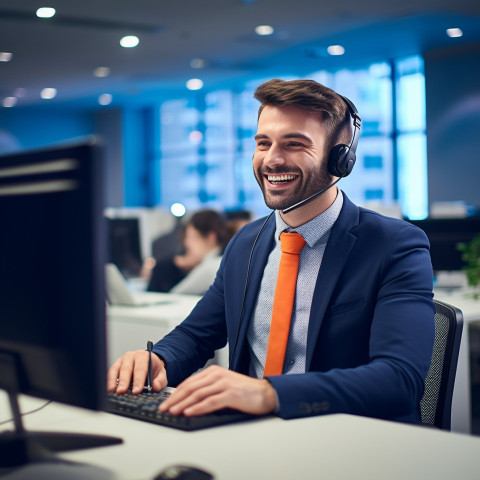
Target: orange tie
[{"x": 291, "y": 245}]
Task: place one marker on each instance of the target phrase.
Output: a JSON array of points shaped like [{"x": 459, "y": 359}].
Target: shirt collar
[{"x": 314, "y": 230}]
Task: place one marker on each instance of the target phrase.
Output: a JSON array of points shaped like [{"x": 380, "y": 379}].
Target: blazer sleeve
[{"x": 390, "y": 384}]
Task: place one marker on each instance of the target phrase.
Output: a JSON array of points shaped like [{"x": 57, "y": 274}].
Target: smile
[{"x": 276, "y": 179}]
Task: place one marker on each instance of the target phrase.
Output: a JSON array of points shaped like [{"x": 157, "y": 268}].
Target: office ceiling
[{"x": 62, "y": 52}]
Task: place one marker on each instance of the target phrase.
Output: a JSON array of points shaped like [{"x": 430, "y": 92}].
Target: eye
[
  {"x": 294, "y": 144},
  {"x": 263, "y": 143}
]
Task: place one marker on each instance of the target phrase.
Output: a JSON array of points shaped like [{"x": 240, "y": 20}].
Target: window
[
  {"x": 411, "y": 137},
  {"x": 207, "y": 141}
]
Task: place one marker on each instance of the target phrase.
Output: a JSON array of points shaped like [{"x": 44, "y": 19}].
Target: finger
[
  {"x": 159, "y": 374},
  {"x": 208, "y": 376},
  {"x": 159, "y": 382},
  {"x": 131, "y": 367},
  {"x": 140, "y": 370},
  {"x": 124, "y": 374},
  {"x": 112, "y": 376},
  {"x": 200, "y": 391},
  {"x": 209, "y": 404},
  {"x": 193, "y": 385},
  {"x": 182, "y": 392}
]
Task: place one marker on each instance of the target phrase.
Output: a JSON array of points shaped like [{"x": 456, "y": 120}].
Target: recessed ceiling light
[
  {"x": 101, "y": 72},
  {"x": 105, "y": 99},
  {"x": 129, "y": 41},
  {"x": 5, "y": 56},
  {"x": 335, "y": 50},
  {"x": 48, "y": 93},
  {"x": 198, "y": 63},
  {"x": 454, "y": 32},
  {"x": 264, "y": 30},
  {"x": 9, "y": 102},
  {"x": 194, "y": 84},
  {"x": 46, "y": 12}
]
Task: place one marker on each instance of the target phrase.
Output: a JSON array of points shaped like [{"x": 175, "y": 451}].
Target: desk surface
[
  {"x": 330, "y": 447},
  {"x": 462, "y": 299},
  {"x": 171, "y": 308}
]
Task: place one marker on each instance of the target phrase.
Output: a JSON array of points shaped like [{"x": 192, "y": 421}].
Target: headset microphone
[
  {"x": 341, "y": 158},
  {"x": 309, "y": 199}
]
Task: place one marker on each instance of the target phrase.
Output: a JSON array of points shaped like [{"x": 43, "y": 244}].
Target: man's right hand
[{"x": 132, "y": 368}]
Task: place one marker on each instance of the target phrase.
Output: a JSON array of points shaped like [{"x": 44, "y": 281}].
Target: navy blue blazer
[{"x": 371, "y": 329}]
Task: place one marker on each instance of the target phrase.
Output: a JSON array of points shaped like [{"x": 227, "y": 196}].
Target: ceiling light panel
[
  {"x": 454, "y": 32},
  {"x": 263, "y": 30},
  {"x": 5, "y": 56},
  {"x": 48, "y": 93},
  {"x": 45, "y": 12},
  {"x": 129, "y": 41}
]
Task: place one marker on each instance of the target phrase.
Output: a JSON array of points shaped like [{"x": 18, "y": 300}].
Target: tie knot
[{"x": 291, "y": 242}]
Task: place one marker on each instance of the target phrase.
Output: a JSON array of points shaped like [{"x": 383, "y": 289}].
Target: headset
[
  {"x": 341, "y": 160},
  {"x": 342, "y": 157}
]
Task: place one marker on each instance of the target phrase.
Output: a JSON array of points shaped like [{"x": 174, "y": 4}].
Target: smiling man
[{"x": 357, "y": 331}]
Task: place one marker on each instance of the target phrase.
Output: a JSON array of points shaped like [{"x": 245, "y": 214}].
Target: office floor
[{"x": 474, "y": 335}]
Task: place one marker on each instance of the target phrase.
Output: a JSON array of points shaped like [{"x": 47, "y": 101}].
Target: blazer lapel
[{"x": 338, "y": 249}]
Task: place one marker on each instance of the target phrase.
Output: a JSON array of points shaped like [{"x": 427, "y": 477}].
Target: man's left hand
[{"x": 215, "y": 388}]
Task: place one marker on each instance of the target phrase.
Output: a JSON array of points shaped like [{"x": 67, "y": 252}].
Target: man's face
[{"x": 290, "y": 161}]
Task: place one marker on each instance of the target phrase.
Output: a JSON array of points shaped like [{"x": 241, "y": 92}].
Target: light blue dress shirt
[{"x": 316, "y": 233}]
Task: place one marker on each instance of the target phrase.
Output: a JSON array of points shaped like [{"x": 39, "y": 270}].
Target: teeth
[{"x": 280, "y": 178}]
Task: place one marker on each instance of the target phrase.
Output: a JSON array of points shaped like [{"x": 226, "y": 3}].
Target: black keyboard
[{"x": 144, "y": 406}]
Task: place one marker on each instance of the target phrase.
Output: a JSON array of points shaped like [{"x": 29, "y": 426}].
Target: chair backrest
[{"x": 436, "y": 403}]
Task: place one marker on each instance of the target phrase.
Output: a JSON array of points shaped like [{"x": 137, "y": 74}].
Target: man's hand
[
  {"x": 135, "y": 364},
  {"x": 215, "y": 388}
]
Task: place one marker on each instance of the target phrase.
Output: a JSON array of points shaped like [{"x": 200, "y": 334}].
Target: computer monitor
[
  {"x": 124, "y": 245},
  {"x": 52, "y": 292},
  {"x": 444, "y": 235}
]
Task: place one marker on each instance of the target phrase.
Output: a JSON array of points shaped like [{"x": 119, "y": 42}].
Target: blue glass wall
[{"x": 206, "y": 141}]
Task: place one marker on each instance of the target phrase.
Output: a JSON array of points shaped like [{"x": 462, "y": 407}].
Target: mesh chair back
[{"x": 436, "y": 403}]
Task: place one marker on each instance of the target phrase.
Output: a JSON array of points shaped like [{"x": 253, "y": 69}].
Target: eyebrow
[{"x": 260, "y": 136}]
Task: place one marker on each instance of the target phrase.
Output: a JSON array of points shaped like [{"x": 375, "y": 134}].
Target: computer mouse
[{"x": 183, "y": 472}]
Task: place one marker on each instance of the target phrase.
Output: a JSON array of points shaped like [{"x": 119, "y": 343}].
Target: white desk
[
  {"x": 325, "y": 447},
  {"x": 461, "y": 406}
]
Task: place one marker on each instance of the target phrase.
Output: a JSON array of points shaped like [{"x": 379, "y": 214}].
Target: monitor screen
[
  {"x": 444, "y": 235},
  {"x": 124, "y": 245},
  {"x": 52, "y": 292}
]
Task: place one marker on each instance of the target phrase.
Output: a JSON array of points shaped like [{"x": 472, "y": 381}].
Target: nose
[{"x": 274, "y": 156}]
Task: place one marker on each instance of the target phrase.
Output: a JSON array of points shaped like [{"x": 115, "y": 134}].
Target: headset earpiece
[
  {"x": 341, "y": 160},
  {"x": 342, "y": 157}
]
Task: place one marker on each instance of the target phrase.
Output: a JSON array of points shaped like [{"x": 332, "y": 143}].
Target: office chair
[{"x": 436, "y": 403}]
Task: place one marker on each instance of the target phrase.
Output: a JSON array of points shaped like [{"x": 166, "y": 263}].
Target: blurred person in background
[{"x": 204, "y": 239}]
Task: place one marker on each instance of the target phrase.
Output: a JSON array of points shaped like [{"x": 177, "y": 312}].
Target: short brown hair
[
  {"x": 208, "y": 221},
  {"x": 313, "y": 97}
]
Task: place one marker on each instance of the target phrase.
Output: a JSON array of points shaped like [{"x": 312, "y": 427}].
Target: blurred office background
[{"x": 176, "y": 111}]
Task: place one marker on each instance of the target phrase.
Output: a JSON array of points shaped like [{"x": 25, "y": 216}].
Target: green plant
[{"x": 471, "y": 256}]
